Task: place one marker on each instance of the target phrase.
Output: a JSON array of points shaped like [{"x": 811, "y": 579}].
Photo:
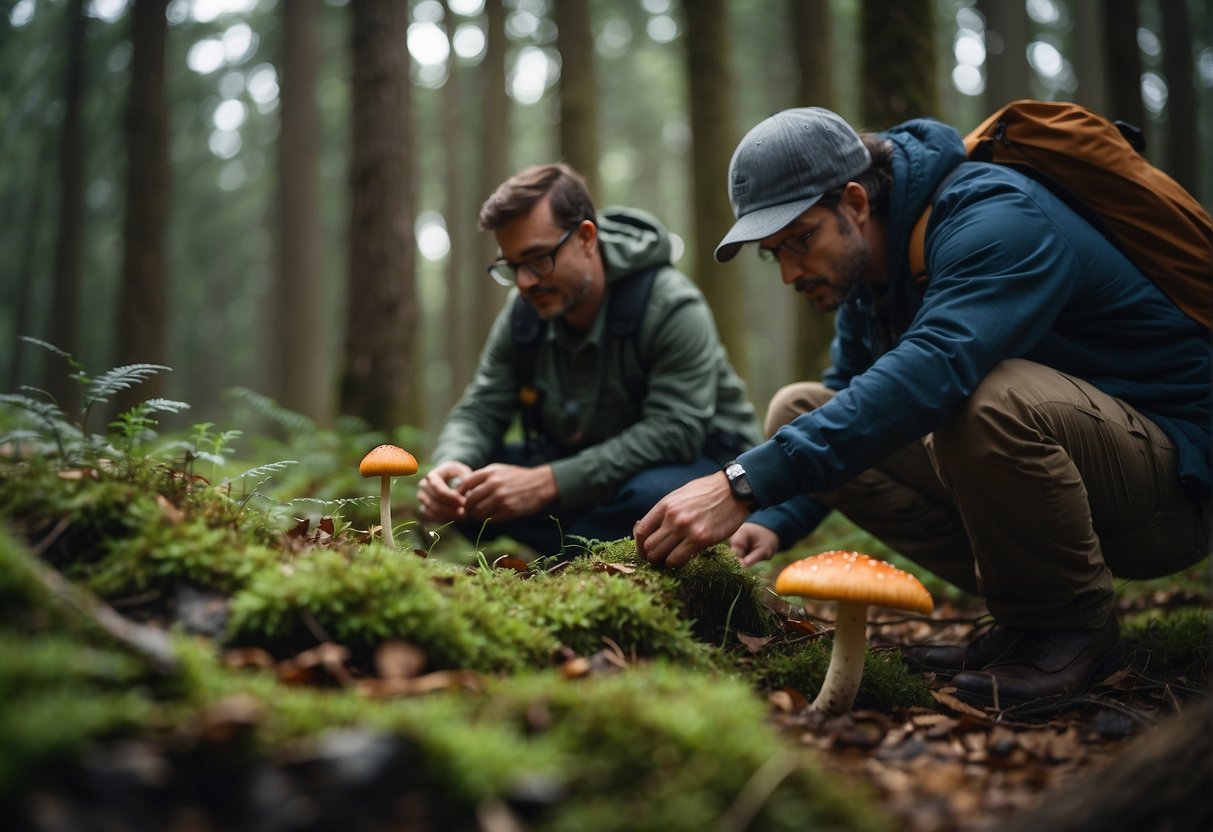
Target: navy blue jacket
[{"x": 1014, "y": 273}]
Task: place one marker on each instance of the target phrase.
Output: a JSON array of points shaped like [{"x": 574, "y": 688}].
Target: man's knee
[
  {"x": 990, "y": 421},
  {"x": 794, "y": 400}
]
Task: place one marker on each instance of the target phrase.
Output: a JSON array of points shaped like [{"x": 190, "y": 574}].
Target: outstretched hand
[{"x": 702, "y": 512}]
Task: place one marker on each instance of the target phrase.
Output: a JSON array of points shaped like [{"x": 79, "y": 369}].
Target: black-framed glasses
[
  {"x": 797, "y": 245},
  {"x": 540, "y": 265}
]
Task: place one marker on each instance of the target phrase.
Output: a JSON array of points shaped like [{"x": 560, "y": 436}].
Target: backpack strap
[
  {"x": 917, "y": 254},
  {"x": 626, "y": 304}
]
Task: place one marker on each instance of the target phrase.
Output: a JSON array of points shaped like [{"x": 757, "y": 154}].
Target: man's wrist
[{"x": 739, "y": 484}]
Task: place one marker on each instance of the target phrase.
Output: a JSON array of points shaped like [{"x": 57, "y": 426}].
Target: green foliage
[{"x": 1172, "y": 646}]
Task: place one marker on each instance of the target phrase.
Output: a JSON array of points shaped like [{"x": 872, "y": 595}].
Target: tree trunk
[
  {"x": 1008, "y": 75},
  {"x": 813, "y": 46},
  {"x": 1123, "y": 62},
  {"x": 494, "y": 158},
  {"x": 63, "y": 325},
  {"x": 377, "y": 380},
  {"x": 1182, "y": 156},
  {"x": 897, "y": 39},
  {"x": 1089, "y": 59},
  {"x": 142, "y": 304},
  {"x": 578, "y": 90},
  {"x": 713, "y": 139},
  {"x": 298, "y": 315},
  {"x": 460, "y": 224},
  {"x": 28, "y": 268}
]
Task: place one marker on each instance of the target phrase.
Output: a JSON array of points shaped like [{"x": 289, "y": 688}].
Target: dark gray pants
[{"x": 1033, "y": 493}]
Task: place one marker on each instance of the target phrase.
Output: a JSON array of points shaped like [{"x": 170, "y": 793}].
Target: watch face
[{"x": 734, "y": 470}]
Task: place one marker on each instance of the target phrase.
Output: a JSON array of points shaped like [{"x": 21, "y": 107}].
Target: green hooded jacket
[{"x": 691, "y": 390}]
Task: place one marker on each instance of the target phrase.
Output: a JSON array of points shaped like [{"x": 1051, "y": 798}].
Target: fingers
[{"x": 437, "y": 500}]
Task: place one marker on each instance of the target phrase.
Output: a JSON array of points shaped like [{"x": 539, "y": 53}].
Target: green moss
[
  {"x": 1172, "y": 646},
  {"x": 801, "y": 665}
]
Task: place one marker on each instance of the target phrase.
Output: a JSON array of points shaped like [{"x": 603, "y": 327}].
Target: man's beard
[
  {"x": 849, "y": 267},
  {"x": 578, "y": 295}
]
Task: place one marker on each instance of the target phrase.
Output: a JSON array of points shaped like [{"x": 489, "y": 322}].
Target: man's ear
[
  {"x": 587, "y": 235},
  {"x": 855, "y": 202}
]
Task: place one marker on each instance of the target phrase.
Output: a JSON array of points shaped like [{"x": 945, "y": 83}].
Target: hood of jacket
[
  {"x": 631, "y": 240},
  {"x": 925, "y": 151}
]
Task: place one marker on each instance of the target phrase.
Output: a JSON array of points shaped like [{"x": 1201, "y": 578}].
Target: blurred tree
[
  {"x": 1182, "y": 156},
  {"x": 1008, "y": 75},
  {"x": 460, "y": 221},
  {"x": 63, "y": 327},
  {"x": 811, "y": 30},
  {"x": 1089, "y": 58},
  {"x": 578, "y": 91},
  {"x": 297, "y": 308},
  {"x": 494, "y": 158},
  {"x": 897, "y": 39},
  {"x": 1122, "y": 65},
  {"x": 142, "y": 303},
  {"x": 379, "y": 373},
  {"x": 713, "y": 139}
]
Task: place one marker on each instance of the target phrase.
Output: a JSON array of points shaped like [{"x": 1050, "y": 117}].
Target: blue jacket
[{"x": 1014, "y": 273}]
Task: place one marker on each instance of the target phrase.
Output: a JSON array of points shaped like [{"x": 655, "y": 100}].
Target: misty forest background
[{"x": 281, "y": 196}]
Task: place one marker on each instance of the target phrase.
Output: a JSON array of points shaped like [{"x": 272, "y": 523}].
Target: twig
[
  {"x": 756, "y": 792},
  {"x": 150, "y": 643}
]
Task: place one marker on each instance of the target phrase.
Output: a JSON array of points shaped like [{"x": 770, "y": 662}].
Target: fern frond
[
  {"x": 292, "y": 421},
  {"x": 120, "y": 378},
  {"x": 43, "y": 410},
  {"x": 47, "y": 345},
  {"x": 337, "y": 502},
  {"x": 268, "y": 468}
]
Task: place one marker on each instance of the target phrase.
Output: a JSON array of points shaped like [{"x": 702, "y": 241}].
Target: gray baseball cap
[{"x": 783, "y": 166}]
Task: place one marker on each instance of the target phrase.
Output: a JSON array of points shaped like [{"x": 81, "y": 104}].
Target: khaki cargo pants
[{"x": 1033, "y": 493}]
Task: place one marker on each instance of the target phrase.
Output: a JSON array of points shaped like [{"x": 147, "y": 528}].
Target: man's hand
[
  {"x": 702, "y": 512},
  {"x": 437, "y": 496},
  {"x": 754, "y": 543},
  {"x": 504, "y": 492}
]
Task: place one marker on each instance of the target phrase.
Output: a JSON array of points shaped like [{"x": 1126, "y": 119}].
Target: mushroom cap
[
  {"x": 388, "y": 461},
  {"x": 851, "y": 576}
]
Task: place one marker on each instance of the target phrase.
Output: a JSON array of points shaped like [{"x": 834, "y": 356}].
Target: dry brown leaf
[
  {"x": 399, "y": 659},
  {"x": 944, "y": 697},
  {"x": 614, "y": 568},
  {"x": 754, "y": 643},
  {"x": 171, "y": 513},
  {"x": 509, "y": 562},
  {"x": 576, "y": 667}
]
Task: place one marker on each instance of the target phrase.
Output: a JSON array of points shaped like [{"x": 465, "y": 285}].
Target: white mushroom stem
[
  {"x": 385, "y": 510},
  {"x": 846, "y": 661}
]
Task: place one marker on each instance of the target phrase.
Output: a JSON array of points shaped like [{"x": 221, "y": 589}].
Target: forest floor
[{"x": 959, "y": 768}]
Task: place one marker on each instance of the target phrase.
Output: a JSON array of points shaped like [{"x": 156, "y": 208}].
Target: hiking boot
[
  {"x": 1044, "y": 663},
  {"x": 994, "y": 644}
]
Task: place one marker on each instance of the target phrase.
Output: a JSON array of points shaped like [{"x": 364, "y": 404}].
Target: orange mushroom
[
  {"x": 385, "y": 462},
  {"x": 854, "y": 581}
]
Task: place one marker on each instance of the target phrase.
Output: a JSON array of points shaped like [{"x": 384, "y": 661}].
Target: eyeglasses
[
  {"x": 540, "y": 265},
  {"x": 797, "y": 244}
]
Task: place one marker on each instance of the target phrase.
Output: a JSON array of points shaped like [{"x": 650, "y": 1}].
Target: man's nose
[
  {"x": 524, "y": 278},
  {"x": 790, "y": 269}
]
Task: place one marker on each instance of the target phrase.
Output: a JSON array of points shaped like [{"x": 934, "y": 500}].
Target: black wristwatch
[{"x": 740, "y": 483}]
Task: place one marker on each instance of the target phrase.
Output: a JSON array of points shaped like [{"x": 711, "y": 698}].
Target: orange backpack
[{"x": 1089, "y": 163}]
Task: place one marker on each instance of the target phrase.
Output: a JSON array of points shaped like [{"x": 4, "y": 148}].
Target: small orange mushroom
[
  {"x": 385, "y": 462},
  {"x": 854, "y": 581}
]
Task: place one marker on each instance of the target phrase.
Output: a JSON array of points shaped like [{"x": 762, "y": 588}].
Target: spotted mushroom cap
[
  {"x": 851, "y": 576},
  {"x": 388, "y": 461}
]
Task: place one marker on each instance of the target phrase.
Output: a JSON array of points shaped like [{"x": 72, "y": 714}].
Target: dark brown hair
[
  {"x": 517, "y": 196},
  {"x": 876, "y": 180}
]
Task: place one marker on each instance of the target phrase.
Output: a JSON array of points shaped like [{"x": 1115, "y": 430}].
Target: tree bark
[
  {"x": 897, "y": 38},
  {"x": 63, "y": 325},
  {"x": 142, "y": 303},
  {"x": 713, "y": 139},
  {"x": 379, "y": 371},
  {"x": 578, "y": 90},
  {"x": 298, "y": 318},
  {"x": 1123, "y": 62},
  {"x": 813, "y": 47},
  {"x": 1182, "y": 156},
  {"x": 1008, "y": 75}
]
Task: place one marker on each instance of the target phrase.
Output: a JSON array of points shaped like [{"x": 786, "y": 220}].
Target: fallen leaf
[
  {"x": 399, "y": 659},
  {"x": 576, "y": 667},
  {"x": 614, "y": 568},
  {"x": 509, "y": 562},
  {"x": 173, "y": 514},
  {"x": 754, "y": 643},
  {"x": 944, "y": 697}
]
